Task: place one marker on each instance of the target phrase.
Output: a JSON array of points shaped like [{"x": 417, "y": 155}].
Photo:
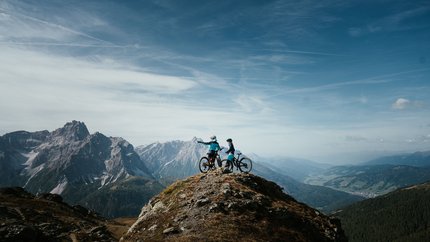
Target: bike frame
[
  {"x": 236, "y": 161},
  {"x": 214, "y": 158}
]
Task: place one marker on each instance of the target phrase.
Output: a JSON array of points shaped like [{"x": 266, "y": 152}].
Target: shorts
[{"x": 211, "y": 154}]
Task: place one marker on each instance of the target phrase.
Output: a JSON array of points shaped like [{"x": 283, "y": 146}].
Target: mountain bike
[
  {"x": 244, "y": 164},
  {"x": 206, "y": 163}
]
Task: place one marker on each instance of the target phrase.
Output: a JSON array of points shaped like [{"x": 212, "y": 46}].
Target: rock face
[
  {"x": 25, "y": 217},
  {"x": 230, "y": 207},
  {"x": 99, "y": 172}
]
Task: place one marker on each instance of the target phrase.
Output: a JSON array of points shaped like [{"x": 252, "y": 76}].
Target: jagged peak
[
  {"x": 74, "y": 130},
  {"x": 230, "y": 207}
]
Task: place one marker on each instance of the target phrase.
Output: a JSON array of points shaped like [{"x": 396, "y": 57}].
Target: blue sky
[{"x": 332, "y": 81}]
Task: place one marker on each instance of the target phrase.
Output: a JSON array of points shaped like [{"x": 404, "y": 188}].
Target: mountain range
[
  {"x": 418, "y": 159},
  {"x": 296, "y": 168},
  {"x": 110, "y": 176},
  {"x": 99, "y": 172},
  {"x": 376, "y": 177}
]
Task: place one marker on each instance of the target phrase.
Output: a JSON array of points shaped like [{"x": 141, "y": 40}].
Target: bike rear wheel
[
  {"x": 204, "y": 165},
  {"x": 225, "y": 161},
  {"x": 245, "y": 165}
]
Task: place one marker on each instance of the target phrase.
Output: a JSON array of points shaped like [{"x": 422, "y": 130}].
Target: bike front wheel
[
  {"x": 224, "y": 163},
  {"x": 245, "y": 165},
  {"x": 204, "y": 165}
]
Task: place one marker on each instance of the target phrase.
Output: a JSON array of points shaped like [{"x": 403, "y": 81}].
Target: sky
[{"x": 338, "y": 81}]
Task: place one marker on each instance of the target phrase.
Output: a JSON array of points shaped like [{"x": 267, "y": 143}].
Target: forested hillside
[{"x": 402, "y": 215}]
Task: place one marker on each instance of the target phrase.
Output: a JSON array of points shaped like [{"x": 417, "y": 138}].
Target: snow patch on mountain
[
  {"x": 32, "y": 173},
  {"x": 60, "y": 187},
  {"x": 30, "y": 158}
]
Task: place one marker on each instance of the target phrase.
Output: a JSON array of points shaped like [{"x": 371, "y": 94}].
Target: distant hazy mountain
[
  {"x": 370, "y": 181},
  {"x": 179, "y": 159},
  {"x": 102, "y": 173},
  {"x": 402, "y": 215},
  {"x": 320, "y": 197},
  {"x": 173, "y": 160},
  {"x": 420, "y": 159},
  {"x": 296, "y": 168}
]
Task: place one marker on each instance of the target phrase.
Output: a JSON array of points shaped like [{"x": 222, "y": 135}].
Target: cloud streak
[
  {"x": 380, "y": 79},
  {"x": 395, "y": 22},
  {"x": 28, "y": 67},
  {"x": 27, "y": 23}
]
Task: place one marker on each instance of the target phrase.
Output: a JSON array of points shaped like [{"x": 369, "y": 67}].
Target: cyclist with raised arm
[{"x": 213, "y": 147}]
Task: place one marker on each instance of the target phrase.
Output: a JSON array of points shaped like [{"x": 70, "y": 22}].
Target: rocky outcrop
[
  {"x": 230, "y": 207},
  {"x": 25, "y": 217}
]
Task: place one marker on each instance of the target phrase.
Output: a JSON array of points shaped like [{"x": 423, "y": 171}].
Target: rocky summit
[
  {"x": 230, "y": 207},
  {"x": 25, "y": 217}
]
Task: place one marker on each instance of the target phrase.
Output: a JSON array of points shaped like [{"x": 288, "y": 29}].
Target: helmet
[
  {"x": 229, "y": 140},
  {"x": 213, "y": 137}
]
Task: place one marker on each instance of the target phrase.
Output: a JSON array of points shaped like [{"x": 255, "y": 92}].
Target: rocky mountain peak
[
  {"x": 81, "y": 167},
  {"x": 230, "y": 207},
  {"x": 74, "y": 131}
]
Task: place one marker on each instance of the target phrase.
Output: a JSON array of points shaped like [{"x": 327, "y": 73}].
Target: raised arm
[{"x": 205, "y": 143}]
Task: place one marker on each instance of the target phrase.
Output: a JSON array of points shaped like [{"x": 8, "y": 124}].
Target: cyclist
[
  {"x": 213, "y": 147},
  {"x": 230, "y": 153}
]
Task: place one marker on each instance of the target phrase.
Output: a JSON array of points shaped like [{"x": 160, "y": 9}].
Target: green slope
[{"x": 402, "y": 215}]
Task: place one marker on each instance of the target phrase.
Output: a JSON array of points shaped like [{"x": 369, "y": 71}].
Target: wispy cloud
[
  {"x": 302, "y": 52},
  {"x": 353, "y": 138},
  {"x": 18, "y": 66},
  {"x": 395, "y": 22},
  {"x": 281, "y": 59},
  {"x": 252, "y": 103},
  {"x": 47, "y": 44},
  {"x": 380, "y": 79},
  {"x": 118, "y": 99},
  {"x": 18, "y": 26}
]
